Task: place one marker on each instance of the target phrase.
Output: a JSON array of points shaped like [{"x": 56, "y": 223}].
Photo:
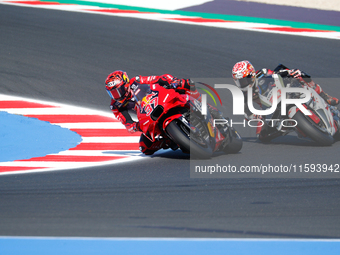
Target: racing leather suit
[{"x": 122, "y": 109}]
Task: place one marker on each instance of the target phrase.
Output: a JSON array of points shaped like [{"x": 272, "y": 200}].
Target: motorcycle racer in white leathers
[{"x": 245, "y": 75}]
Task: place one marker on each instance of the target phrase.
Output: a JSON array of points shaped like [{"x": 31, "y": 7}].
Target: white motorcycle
[{"x": 320, "y": 126}]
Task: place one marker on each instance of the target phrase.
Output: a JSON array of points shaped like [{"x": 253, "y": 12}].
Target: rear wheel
[
  {"x": 312, "y": 130},
  {"x": 180, "y": 134}
]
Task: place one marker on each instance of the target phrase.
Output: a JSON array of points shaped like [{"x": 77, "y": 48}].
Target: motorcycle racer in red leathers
[
  {"x": 118, "y": 86},
  {"x": 245, "y": 75}
]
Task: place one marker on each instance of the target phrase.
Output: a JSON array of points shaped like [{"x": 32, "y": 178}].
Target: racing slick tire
[
  {"x": 235, "y": 144},
  {"x": 181, "y": 138},
  {"x": 311, "y": 130}
]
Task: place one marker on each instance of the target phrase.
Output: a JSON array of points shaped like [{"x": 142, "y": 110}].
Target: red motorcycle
[{"x": 164, "y": 112}]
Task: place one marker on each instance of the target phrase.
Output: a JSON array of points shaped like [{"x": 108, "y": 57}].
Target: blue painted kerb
[{"x": 23, "y": 137}]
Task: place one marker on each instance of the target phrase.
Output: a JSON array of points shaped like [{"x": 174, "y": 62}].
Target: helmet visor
[
  {"x": 245, "y": 82},
  {"x": 117, "y": 93}
]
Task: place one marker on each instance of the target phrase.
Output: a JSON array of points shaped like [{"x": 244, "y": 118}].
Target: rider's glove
[
  {"x": 183, "y": 84},
  {"x": 135, "y": 79},
  {"x": 261, "y": 73},
  {"x": 296, "y": 73},
  {"x": 164, "y": 83},
  {"x": 300, "y": 75},
  {"x": 176, "y": 83}
]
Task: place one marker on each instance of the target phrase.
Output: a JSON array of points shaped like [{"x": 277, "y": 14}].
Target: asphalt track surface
[{"x": 65, "y": 57}]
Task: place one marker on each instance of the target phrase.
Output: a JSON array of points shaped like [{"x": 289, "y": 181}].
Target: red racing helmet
[
  {"x": 117, "y": 85},
  {"x": 244, "y": 75}
]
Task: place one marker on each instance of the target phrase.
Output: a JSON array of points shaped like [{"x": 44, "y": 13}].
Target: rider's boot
[
  {"x": 330, "y": 100},
  {"x": 149, "y": 148},
  {"x": 265, "y": 133},
  {"x": 336, "y": 117}
]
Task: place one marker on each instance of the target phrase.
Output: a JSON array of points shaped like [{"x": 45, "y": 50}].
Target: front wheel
[
  {"x": 181, "y": 136},
  {"x": 235, "y": 144},
  {"x": 311, "y": 130}
]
